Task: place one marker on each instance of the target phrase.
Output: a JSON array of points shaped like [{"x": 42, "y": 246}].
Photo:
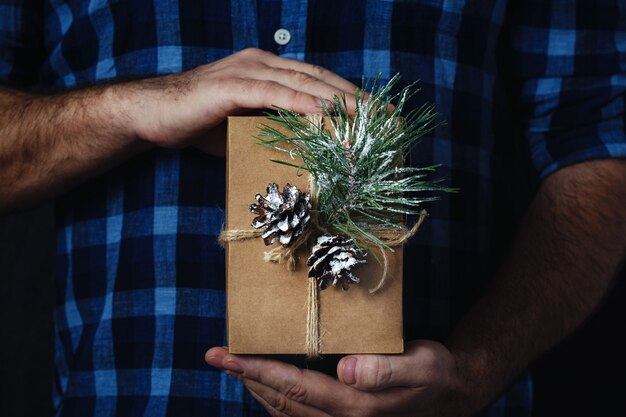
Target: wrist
[
  {"x": 153, "y": 111},
  {"x": 128, "y": 110}
]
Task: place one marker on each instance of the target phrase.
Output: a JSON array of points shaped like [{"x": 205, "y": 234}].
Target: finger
[
  {"x": 273, "y": 412},
  {"x": 215, "y": 356},
  {"x": 390, "y": 402},
  {"x": 424, "y": 363},
  {"x": 315, "y": 71},
  {"x": 307, "y": 387},
  {"x": 276, "y": 403},
  {"x": 257, "y": 94},
  {"x": 348, "y": 401},
  {"x": 301, "y": 81},
  {"x": 254, "y": 94}
]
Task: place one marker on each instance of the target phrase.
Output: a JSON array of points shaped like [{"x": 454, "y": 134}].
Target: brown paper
[{"x": 266, "y": 304}]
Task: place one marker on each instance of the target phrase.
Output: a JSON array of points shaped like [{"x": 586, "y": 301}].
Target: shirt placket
[{"x": 291, "y": 36}]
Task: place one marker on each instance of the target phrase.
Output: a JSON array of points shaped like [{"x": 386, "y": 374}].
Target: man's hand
[
  {"x": 180, "y": 109},
  {"x": 50, "y": 143},
  {"x": 423, "y": 381}
]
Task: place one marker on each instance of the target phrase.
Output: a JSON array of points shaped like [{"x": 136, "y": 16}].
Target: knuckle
[
  {"x": 254, "y": 53},
  {"x": 269, "y": 90},
  {"x": 268, "y": 86},
  {"x": 296, "y": 391},
  {"x": 281, "y": 404},
  {"x": 319, "y": 71},
  {"x": 302, "y": 77},
  {"x": 302, "y": 98},
  {"x": 288, "y": 72},
  {"x": 249, "y": 52},
  {"x": 273, "y": 399},
  {"x": 243, "y": 57},
  {"x": 374, "y": 372},
  {"x": 383, "y": 372}
]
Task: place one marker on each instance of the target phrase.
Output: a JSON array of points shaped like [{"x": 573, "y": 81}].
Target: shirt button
[{"x": 282, "y": 36}]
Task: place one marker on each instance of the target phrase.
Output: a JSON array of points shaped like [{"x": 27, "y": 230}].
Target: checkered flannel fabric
[{"x": 526, "y": 87}]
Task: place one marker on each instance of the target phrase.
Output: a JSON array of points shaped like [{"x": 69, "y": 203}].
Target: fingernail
[
  {"x": 348, "y": 373},
  {"x": 213, "y": 361},
  {"x": 233, "y": 366}
]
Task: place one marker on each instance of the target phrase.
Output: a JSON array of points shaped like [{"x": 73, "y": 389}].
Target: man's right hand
[
  {"x": 50, "y": 143},
  {"x": 179, "y": 110}
]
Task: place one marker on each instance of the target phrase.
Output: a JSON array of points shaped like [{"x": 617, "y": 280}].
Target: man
[{"x": 139, "y": 274}]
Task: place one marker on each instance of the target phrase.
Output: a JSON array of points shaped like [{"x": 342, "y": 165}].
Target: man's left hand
[{"x": 423, "y": 381}]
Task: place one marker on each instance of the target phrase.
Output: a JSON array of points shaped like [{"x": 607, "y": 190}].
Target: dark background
[
  {"x": 574, "y": 379},
  {"x": 26, "y": 327}
]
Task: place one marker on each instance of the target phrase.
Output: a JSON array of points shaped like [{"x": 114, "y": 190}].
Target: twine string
[
  {"x": 395, "y": 240},
  {"x": 236, "y": 234},
  {"x": 313, "y": 339}
]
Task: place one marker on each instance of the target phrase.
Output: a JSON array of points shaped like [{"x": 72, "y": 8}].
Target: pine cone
[
  {"x": 332, "y": 260},
  {"x": 283, "y": 215}
]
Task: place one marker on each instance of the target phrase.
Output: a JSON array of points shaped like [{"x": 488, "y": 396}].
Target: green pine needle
[{"x": 357, "y": 161}]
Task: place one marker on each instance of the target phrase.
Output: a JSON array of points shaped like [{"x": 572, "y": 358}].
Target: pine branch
[{"x": 356, "y": 162}]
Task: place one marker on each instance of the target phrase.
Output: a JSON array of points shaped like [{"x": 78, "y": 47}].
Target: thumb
[{"x": 416, "y": 367}]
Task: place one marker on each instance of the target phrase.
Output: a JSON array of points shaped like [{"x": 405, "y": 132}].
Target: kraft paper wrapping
[{"x": 266, "y": 304}]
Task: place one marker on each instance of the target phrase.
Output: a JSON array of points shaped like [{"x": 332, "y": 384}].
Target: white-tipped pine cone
[
  {"x": 283, "y": 215},
  {"x": 332, "y": 260}
]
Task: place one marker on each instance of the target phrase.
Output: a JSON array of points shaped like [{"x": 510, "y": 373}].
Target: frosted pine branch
[{"x": 357, "y": 161}]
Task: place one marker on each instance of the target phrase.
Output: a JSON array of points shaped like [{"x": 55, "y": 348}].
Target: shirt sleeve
[
  {"x": 21, "y": 42},
  {"x": 570, "y": 60}
]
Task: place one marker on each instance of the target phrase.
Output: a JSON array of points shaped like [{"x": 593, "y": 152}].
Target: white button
[{"x": 282, "y": 36}]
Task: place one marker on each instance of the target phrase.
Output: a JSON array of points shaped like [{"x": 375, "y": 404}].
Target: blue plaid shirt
[{"x": 526, "y": 87}]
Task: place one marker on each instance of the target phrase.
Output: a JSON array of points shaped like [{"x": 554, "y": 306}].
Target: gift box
[{"x": 267, "y": 304}]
